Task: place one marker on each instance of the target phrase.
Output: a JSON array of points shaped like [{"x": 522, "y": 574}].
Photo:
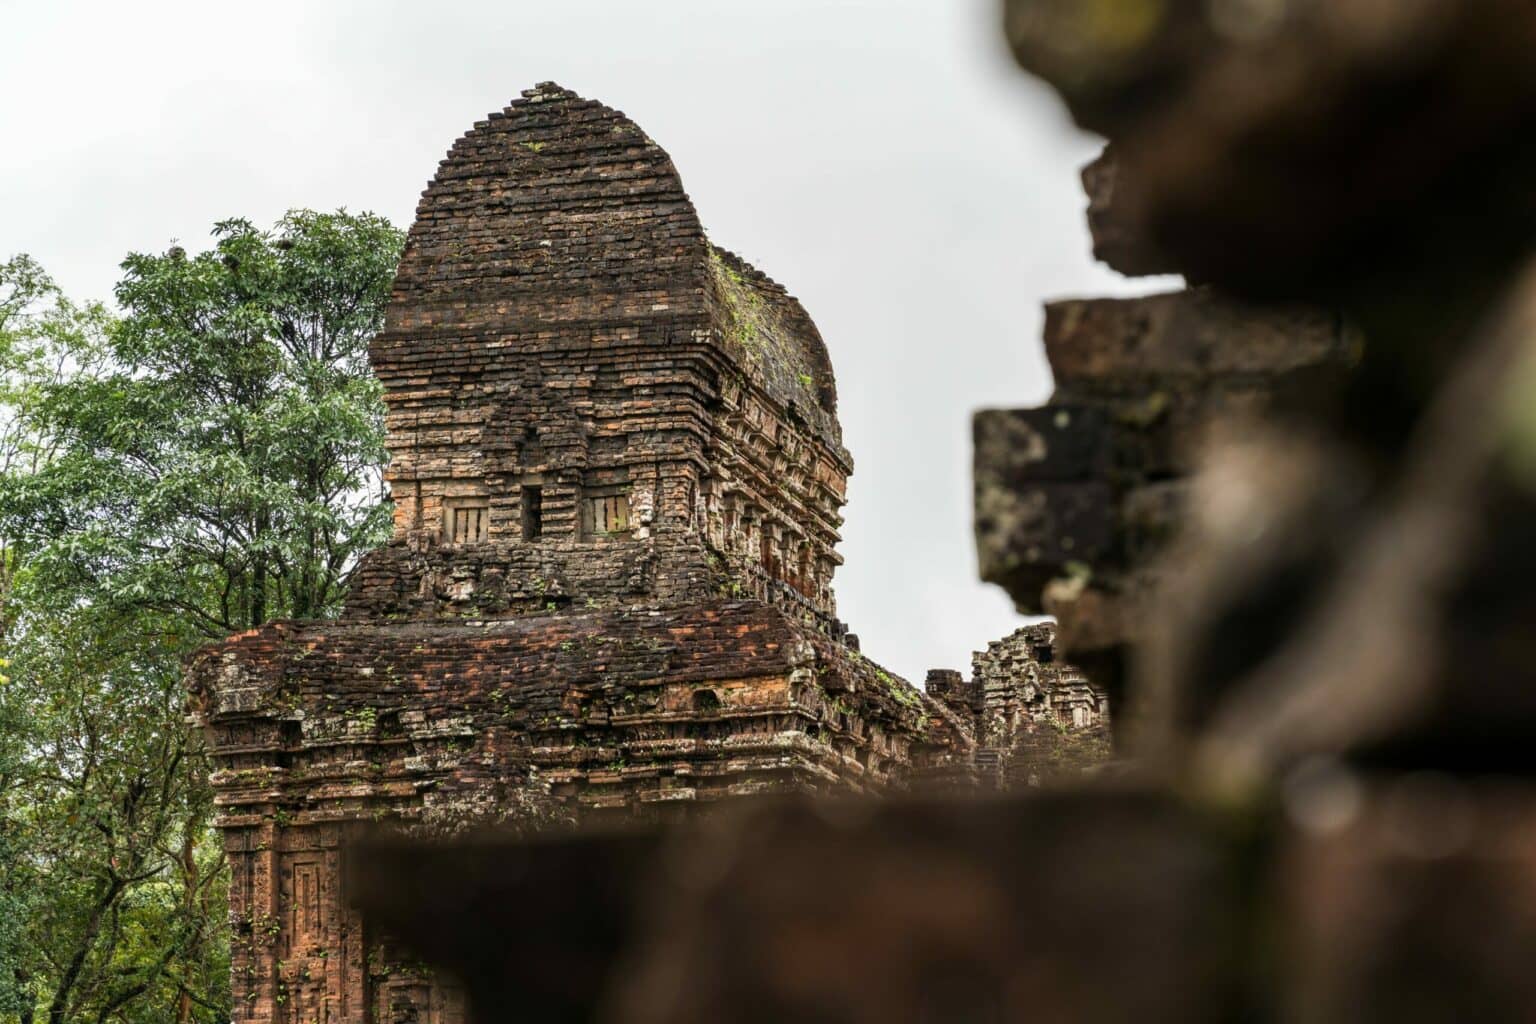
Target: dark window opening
[
  {"x": 1044, "y": 655},
  {"x": 705, "y": 700},
  {"x": 530, "y": 452},
  {"x": 533, "y": 512},
  {"x": 606, "y": 514},
  {"x": 467, "y": 523}
]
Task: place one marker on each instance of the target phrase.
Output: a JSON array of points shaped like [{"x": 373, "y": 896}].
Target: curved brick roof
[
  {"x": 559, "y": 213},
  {"x": 768, "y": 330}
]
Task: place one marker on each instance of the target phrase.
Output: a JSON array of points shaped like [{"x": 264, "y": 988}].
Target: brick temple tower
[
  {"x": 584, "y": 392},
  {"x": 617, "y": 476}
]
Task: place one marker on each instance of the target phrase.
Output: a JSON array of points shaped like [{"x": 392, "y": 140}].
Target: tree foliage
[
  {"x": 225, "y": 467},
  {"x": 202, "y": 461}
]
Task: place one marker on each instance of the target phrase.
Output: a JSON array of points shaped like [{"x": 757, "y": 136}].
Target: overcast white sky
[{"x": 884, "y": 159}]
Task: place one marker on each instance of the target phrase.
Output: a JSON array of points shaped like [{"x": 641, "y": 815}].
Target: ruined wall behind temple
[{"x": 1035, "y": 718}]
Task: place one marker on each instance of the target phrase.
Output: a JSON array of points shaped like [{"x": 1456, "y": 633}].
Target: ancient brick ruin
[
  {"x": 617, "y": 475},
  {"x": 1035, "y": 718}
]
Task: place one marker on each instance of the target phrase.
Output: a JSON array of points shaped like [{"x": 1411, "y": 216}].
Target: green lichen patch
[
  {"x": 904, "y": 694},
  {"x": 754, "y": 327}
]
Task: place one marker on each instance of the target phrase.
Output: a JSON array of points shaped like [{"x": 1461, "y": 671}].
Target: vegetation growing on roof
[
  {"x": 904, "y": 695},
  {"x": 755, "y": 326},
  {"x": 747, "y": 314}
]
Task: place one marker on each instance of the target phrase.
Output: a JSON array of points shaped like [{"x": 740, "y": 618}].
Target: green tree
[
  {"x": 205, "y": 461},
  {"x": 226, "y": 468},
  {"x": 127, "y": 904},
  {"x": 43, "y": 339}
]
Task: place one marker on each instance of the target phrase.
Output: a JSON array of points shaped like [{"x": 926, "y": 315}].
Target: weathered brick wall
[
  {"x": 321, "y": 727},
  {"x": 318, "y": 728},
  {"x": 478, "y": 707}
]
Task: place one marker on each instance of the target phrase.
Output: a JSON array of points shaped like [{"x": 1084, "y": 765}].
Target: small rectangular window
[
  {"x": 465, "y": 522},
  {"x": 608, "y": 514},
  {"x": 533, "y": 512}
]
